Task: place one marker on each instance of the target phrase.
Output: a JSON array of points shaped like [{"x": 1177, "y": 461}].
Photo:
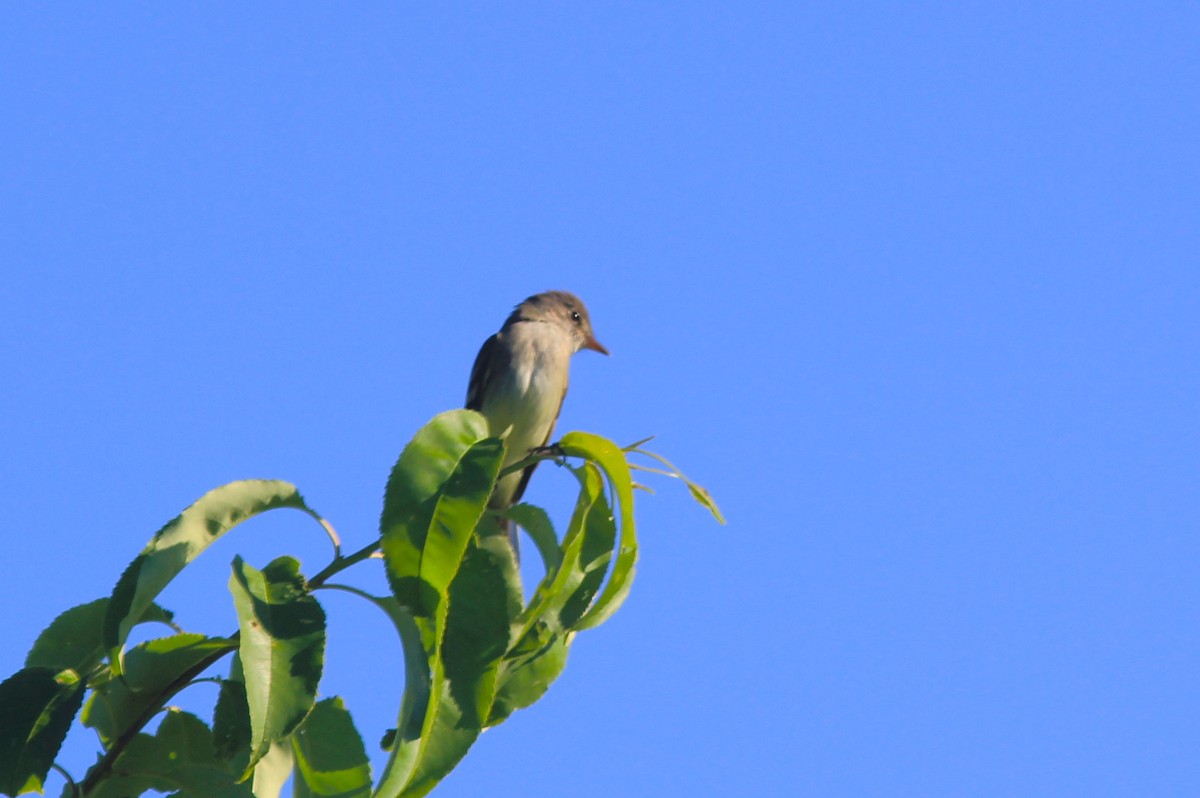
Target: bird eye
[{"x": 575, "y": 317}]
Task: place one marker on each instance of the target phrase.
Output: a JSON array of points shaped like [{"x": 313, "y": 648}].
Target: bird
[{"x": 519, "y": 381}]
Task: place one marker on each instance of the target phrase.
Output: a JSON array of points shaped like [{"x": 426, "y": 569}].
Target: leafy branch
[{"x": 475, "y": 649}]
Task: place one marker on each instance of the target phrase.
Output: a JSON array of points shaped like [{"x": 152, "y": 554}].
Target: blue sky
[{"x": 913, "y": 289}]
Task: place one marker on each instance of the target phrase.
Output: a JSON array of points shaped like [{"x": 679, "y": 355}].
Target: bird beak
[{"x": 594, "y": 345}]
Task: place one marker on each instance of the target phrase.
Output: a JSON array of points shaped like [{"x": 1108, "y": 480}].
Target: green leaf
[
  {"x": 331, "y": 761},
  {"x": 273, "y": 769},
  {"x": 182, "y": 540},
  {"x": 540, "y": 653},
  {"x": 282, "y": 647},
  {"x": 485, "y": 602},
  {"x": 37, "y": 706},
  {"x": 702, "y": 496},
  {"x": 231, "y": 720},
  {"x": 435, "y": 498},
  {"x": 180, "y": 759},
  {"x": 611, "y": 460},
  {"x": 154, "y": 671},
  {"x": 597, "y": 536},
  {"x": 432, "y": 494},
  {"x": 529, "y": 671},
  {"x": 75, "y": 639},
  {"x": 404, "y": 742},
  {"x": 537, "y": 524},
  {"x": 568, "y": 578}
]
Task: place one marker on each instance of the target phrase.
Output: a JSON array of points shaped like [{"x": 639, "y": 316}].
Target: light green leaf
[
  {"x": 272, "y": 771},
  {"x": 431, "y": 495},
  {"x": 75, "y": 639},
  {"x": 612, "y": 460},
  {"x": 282, "y": 647},
  {"x": 331, "y": 761},
  {"x": 181, "y": 541},
  {"x": 598, "y": 536},
  {"x": 37, "y": 706}
]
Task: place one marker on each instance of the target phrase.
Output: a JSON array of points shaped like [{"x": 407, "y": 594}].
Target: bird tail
[{"x": 514, "y": 537}]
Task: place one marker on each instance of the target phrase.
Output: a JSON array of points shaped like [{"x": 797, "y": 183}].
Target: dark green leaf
[
  {"x": 37, "y": 706},
  {"x": 599, "y": 534},
  {"x": 163, "y": 661},
  {"x": 485, "y": 602},
  {"x": 537, "y": 524},
  {"x": 530, "y": 671},
  {"x": 180, "y": 542},
  {"x": 155, "y": 670},
  {"x": 331, "y": 761},
  {"x": 179, "y": 758},
  {"x": 282, "y": 647},
  {"x": 231, "y": 720}
]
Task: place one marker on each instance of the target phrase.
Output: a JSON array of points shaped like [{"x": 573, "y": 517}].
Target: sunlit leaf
[
  {"x": 75, "y": 639},
  {"x": 272, "y": 770},
  {"x": 595, "y": 551},
  {"x": 331, "y": 761},
  {"x": 434, "y": 498},
  {"x": 182, "y": 540},
  {"x": 540, "y": 651},
  {"x": 529, "y": 671},
  {"x": 583, "y": 561},
  {"x": 611, "y": 459},
  {"x": 282, "y": 647},
  {"x": 485, "y": 602}
]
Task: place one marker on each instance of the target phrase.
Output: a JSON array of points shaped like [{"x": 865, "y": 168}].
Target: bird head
[{"x": 564, "y": 310}]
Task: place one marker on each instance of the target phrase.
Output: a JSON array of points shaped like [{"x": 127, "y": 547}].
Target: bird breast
[{"x": 528, "y": 404}]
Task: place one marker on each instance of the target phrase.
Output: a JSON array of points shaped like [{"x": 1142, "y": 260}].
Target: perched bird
[{"x": 519, "y": 381}]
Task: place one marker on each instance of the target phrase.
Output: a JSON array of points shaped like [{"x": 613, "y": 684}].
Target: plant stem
[
  {"x": 341, "y": 563},
  {"x": 105, "y": 765}
]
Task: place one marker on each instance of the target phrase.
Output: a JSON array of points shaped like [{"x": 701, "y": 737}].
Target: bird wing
[{"x": 491, "y": 360}]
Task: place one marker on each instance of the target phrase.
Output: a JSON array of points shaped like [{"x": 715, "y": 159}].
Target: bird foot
[{"x": 552, "y": 450}]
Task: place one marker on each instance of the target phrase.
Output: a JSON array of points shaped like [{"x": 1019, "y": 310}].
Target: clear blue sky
[{"x": 914, "y": 289}]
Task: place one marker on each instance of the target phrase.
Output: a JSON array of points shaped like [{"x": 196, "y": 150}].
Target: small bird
[{"x": 519, "y": 381}]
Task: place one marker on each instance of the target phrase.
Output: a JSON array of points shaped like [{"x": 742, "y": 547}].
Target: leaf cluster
[{"x": 475, "y": 650}]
